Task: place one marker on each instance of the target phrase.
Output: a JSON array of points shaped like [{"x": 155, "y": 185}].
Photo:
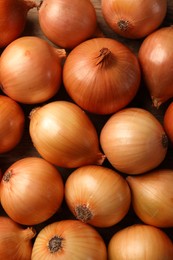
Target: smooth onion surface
[
  {"x": 140, "y": 242},
  {"x": 156, "y": 59},
  {"x": 12, "y": 122},
  {"x": 67, "y": 23},
  {"x": 32, "y": 190},
  {"x": 30, "y": 70},
  {"x": 134, "y": 18},
  {"x": 134, "y": 141},
  {"x": 69, "y": 239},
  {"x": 167, "y": 122},
  {"x": 97, "y": 195},
  {"x": 13, "y": 16},
  {"x": 152, "y": 197},
  {"x": 64, "y": 135},
  {"x": 101, "y": 75}
]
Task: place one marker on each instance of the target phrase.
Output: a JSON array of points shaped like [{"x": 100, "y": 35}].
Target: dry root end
[
  {"x": 164, "y": 141},
  {"x": 55, "y": 244},
  {"x": 123, "y": 25},
  {"x": 6, "y": 177},
  {"x": 83, "y": 213}
]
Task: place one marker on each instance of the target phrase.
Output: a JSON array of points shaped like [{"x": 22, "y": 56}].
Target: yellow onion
[
  {"x": 12, "y": 122},
  {"x": 13, "y": 15},
  {"x": 15, "y": 240},
  {"x": 64, "y": 135},
  {"x": 152, "y": 197},
  {"x": 140, "y": 242},
  {"x": 32, "y": 190},
  {"x": 134, "y": 141},
  {"x": 67, "y": 23},
  {"x": 69, "y": 239},
  {"x": 156, "y": 59},
  {"x": 101, "y": 75},
  {"x": 30, "y": 70},
  {"x": 134, "y": 18},
  {"x": 97, "y": 195}
]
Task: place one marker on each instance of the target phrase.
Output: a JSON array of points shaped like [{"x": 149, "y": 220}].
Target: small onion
[
  {"x": 31, "y": 191},
  {"x": 30, "y": 70},
  {"x": 64, "y": 135},
  {"x": 15, "y": 241},
  {"x": 13, "y": 15},
  {"x": 12, "y": 120},
  {"x": 69, "y": 239},
  {"x": 97, "y": 195},
  {"x": 167, "y": 122},
  {"x": 134, "y": 18},
  {"x": 156, "y": 59},
  {"x": 140, "y": 242},
  {"x": 101, "y": 75},
  {"x": 134, "y": 141},
  {"x": 152, "y": 197},
  {"x": 67, "y": 23}
]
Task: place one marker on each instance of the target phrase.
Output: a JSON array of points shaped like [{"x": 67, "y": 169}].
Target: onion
[
  {"x": 32, "y": 190},
  {"x": 134, "y": 18},
  {"x": 64, "y": 135},
  {"x": 15, "y": 241},
  {"x": 167, "y": 122},
  {"x": 152, "y": 195},
  {"x": 69, "y": 239},
  {"x": 140, "y": 242},
  {"x": 67, "y": 23},
  {"x": 97, "y": 195},
  {"x": 156, "y": 59},
  {"x": 13, "y": 15},
  {"x": 134, "y": 141},
  {"x": 12, "y": 120},
  {"x": 30, "y": 70},
  {"x": 101, "y": 75}
]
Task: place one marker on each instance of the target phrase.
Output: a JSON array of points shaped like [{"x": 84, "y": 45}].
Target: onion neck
[
  {"x": 29, "y": 233},
  {"x": 30, "y": 4},
  {"x": 55, "y": 244},
  {"x": 105, "y": 57}
]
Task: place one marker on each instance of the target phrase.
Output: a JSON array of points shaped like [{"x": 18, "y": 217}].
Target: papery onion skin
[
  {"x": 12, "y": 124},
  {"x": 67, "y": 23},
  {"x": 152, "y": 197},
  {"x": 167, "y": 122},
  {"x": 140, "y": 242},
  {"x": 13, "y": 15},
  {"x": 32, "y": 190},
  {"x": 97, "y": 195},
  {"x": 69, "y": 239},
  {"x": 64, "y": 135},
  {"x": 156, "y": 60},
  {"x": 15, "y": 240},
  {"x": 101, "y": 75},
  {"x": 134, "y": 19},
  {"x": 30, "y": 70},
  {"x": 134, "y": 141}
]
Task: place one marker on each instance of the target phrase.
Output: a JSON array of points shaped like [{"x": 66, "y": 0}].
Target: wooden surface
[{"x": 25, "y": 147}]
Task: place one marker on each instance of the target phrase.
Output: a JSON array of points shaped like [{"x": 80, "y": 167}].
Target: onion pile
[{"x": 86, "y": 133}]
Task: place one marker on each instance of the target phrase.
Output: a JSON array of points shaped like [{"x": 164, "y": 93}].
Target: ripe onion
[
  {"x": 30, "y": 70},
  {"x": 15, "y": 241},
  {"x": 64, "y": 135},
  {"x": 97, "y": 195},
  {"x": 167, "y": 122},
  {"x": 134, "y": 141},
  {"x": 101, "y": 75},
  {"x": 140, "y": 242},
  {"x": 31, "y": 190},
  {"x": 67, "y": 23},
  {"x": 152, "y": 195},
  {"x": 12, "y": 120},
  {"x": 134, "y": 18},
  {"x": 156, "y": 59},
  {"x": 13, "y": 15},
  {"x": 69, "y": 239}
]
